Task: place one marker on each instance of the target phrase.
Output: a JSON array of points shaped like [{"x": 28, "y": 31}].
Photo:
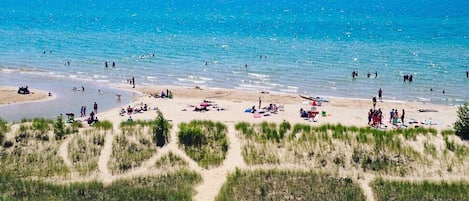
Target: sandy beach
[
  {"x": 230, "y": 106},
  {"x": 10, "y": 95}
]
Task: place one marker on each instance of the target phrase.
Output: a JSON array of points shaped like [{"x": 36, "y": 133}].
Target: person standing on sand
[
  {"x": 95, "y": 108},
  {"x": 374, "y": 102},
  {"x": 260, "y": 101},
  {"x": 380, "y": 95},
  {"x": 402, "y": 116},
  {"x": 133, "y": 82}
]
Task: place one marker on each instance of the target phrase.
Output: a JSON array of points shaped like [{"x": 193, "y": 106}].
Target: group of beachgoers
[
  {"x": 134, "y": 110},
  {"x": 23, "y": 90},
  {"x": 106, "y": 64},
  {"x": 375, "y": 118},
  {"x": 93, "y": 118},
  {"x": 131, "y": 81},
  {"x": 258, "y": 111},
  {"x": 313, "y": 113},
  {"x": 163, "y": 94},
  {"x": 368, "y": 75}
]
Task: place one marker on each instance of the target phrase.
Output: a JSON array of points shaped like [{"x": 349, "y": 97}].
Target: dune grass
[
  {"x": 173, "y": 186},
  {"x": 406, "y": 190},
  {"x": 287, "y": 185},
  {"x": 33, "y": 151},
  {"x": 84, "y": 150},
  {"x": 384, "y": 151},
  {"x": 171, "y": 161},
  {"x": 204, "y": 141}
]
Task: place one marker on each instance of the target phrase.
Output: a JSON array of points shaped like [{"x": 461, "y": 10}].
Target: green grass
[
  {"x": 133, "y": 146},
  {"x": 384, "y": 151},
  {"x": 287, "y": 185},
  {"x": 33, "y": 151},
  {"x": 204, "y": 141},
  {"x": 173, "y": 186},
  {"x": 128, "y": 152},
  {"x": 171, "y": 161},
  {"x": 405, "y": 190},
  {"x": 84, "y": 150}
]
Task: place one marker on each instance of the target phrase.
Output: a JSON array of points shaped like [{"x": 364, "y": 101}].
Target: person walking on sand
[
  {"x": 95, "y": 108},
  {"x": 402, "y": 117},
  {"x": 260, "y": 101},
  {"x": 380, "y": 95},
  {"x": 374, "y": 102}
]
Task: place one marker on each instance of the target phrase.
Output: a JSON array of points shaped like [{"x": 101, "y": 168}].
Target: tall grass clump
[
  {"x": 59, "y": 128},
  {"x": 287, "y": 185},
  {"x": 128, "y": 152},
  {"x": 4, "y": 128},
  {"x": 204, "y": 141},
  {"x": 406, "y": 190},
  {"x": 461, "y": 126},
  {"x": 160, "y": 129},
  {"x": 103, "y": 125},
  {"x": 171, "y": 161},
  {"x": 32, "y": 152},
  {"x": 84, "y": 150},
  {"x": 177, "y": 185}
]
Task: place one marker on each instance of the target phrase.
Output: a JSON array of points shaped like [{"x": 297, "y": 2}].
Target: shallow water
[
  {"x": 66, "y": 101},
  {"x": 288, "y": 46}
]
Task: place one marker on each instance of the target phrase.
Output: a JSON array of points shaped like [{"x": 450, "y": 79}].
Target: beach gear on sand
[{"x": 428, "y": 110}]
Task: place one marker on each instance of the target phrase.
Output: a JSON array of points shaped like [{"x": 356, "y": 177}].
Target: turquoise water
[{"x": 305, "y": 47}]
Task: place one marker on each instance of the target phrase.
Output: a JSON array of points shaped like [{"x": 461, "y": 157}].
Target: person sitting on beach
[
  {"x": 303, "y": 113},
  {"x": 163, "y": 95},
  {"x": 200, "y": 109},
  {"x": 170, "y": 95},
  {"x": 253, "y": 109},
  {"x": 145, "y": 107},
  {"x": 122, "y": 112},
  {"x": 130, "y": 110}
]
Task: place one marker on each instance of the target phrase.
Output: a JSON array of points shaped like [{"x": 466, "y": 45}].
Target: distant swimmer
[
  {"x": 467, "y": 74},
  {"x": 376, "y": 73},
  {"x": 105, "y": 64},
  {"x": 444, "y": 91},
  {"x": 245, "y": 66},
  {"x": 368, "y": 75},
  {"x": 113, "y": 64},
  {"x": 206, "y": 63}
]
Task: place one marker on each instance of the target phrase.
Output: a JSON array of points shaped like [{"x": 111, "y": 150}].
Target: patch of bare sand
[{"x": 9, "y": 95}]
